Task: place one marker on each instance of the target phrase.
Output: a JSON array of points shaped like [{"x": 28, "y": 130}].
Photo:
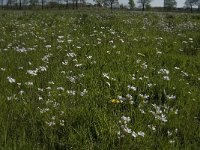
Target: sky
[
  {"x": 155, "y": 3},
  {"x": 180, "y": 3}
]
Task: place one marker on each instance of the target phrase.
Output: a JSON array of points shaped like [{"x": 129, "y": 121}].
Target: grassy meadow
[{"x": 99, "y": 80}]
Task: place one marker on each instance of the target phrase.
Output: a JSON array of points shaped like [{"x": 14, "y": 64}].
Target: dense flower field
[{"x": 99, "y": 80}]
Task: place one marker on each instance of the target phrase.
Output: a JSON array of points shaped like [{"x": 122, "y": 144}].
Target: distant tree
[
  {"x": 144, "y": 3},
  {"x": 73, "y": 3},
  {"x": 191, "y": 3},
  {"x": 148, "y": 6},
  {"x": 169, "y": 4},
  {"x": 33, "y": 2},
  {"x": 99, "y": 2},
  {"x": 67, "y": 3},
  {"x": 25, "y": 2},
  {"x": 42, "y": 4},
  {"x": 106, "y": 3},
  {"x": 132, "y": 4},
  {"x": 110, "y": 3},
  {"x": 82, "y": 2},
  {"x": 2, "y": 4},
  {"x": 9, "y": 2},
  {"x": 20, "y": 4},
  {"x": 76, "y": 4}
]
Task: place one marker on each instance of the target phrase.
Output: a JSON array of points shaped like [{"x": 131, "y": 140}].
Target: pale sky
[{"x": 180, "y": 3}]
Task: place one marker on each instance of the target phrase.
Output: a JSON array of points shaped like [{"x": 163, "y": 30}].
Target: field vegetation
[{"x": 99, "y": 80}]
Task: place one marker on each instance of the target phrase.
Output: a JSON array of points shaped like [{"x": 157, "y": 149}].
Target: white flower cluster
[
  {"x": 158, "y": 113},
  {"x": 126, "y": 130},
  {"x": 165, "y": 74}
]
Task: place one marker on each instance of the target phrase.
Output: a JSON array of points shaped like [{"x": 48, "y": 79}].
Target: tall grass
[{"x": 99, "y": 80}]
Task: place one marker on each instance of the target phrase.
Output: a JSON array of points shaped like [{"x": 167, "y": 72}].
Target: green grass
[{"x": 77, "y": 73}]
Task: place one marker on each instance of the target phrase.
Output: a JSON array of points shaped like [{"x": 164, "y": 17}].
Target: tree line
[{"x": 144, "y": 4}]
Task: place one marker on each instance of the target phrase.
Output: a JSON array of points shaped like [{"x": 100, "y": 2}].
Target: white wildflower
[
  {"x": 177, "y": 68},
  {"x": 141, "y": 54},
  {"x": 126, "y": 129},
  {"x": 132, "y": 88},
  {"x": 83, "y": 92},
  {"x": 11, "y": 80},
  {"x": 72, "y": 79},
  {"x": 21, "y": 92},
  {"x": 51, "y": 82},
  {"x": 121, "y": 98},
  {"x": 71, "y": 54},
  {"x": 106, "y": 75},
  {"x": 62, "y": 122},
  {"x": 29, "y": 83},
  {"x": 60, "y": 88},
  {"x": 184, "y": 73},
  {"x": 134, "y": 134},
  {"x": 125, "y": 119},
  {"x": 3, "y": 69},
  {"x": 171, "y": 97},
  {"x": 32, "y": 72},
  {"x": 171, "y": 141},
  {"x": 129, "y": 96},
  {"x": 158, "y": 52},
  {"x": 144, "y": 65},
  {"x": 163, "y": 71},
  {"x": 71, "y": 92},
  {"x": 166, "y": 78},
  {"x": 52, "y": 123},
  {"x": 42, "y": 68},
  {"x": 141, "y": 133},
  {"x": 48, "y": 46}
]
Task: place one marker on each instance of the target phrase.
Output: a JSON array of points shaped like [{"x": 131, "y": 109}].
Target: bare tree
[
  {"x": 110, "y": 3},
  {"x": 2, "y": 4},
  {"x": 76, "y": 4},
  {"x": 67, "y": 4},
  {"x": 144, "y": 3},
  {"x": 20, "y": 4},
  {"x": 9, "y": 2},
  {"x": 191, "y": 3},
  {"x": 42, "y": 4},
  {"x": 73, "y": 1}
]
